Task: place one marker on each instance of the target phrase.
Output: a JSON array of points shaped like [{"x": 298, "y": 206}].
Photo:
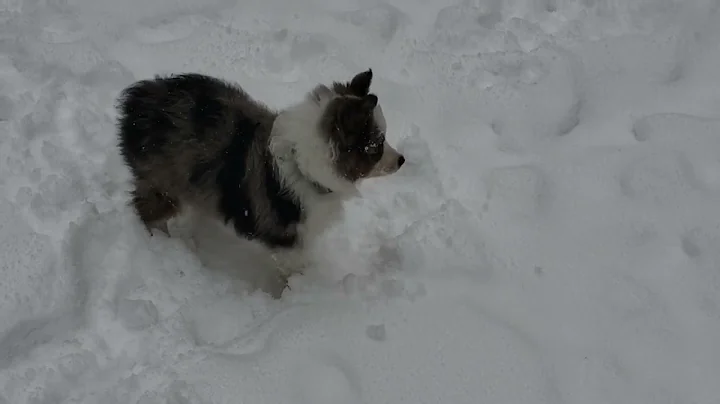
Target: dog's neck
[
  {"x": 294, "y": 169},
  {"x": 303, "y": 156},
  {"x": 293, "y": 178}
]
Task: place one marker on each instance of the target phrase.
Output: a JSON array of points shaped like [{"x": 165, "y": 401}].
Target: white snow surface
[{"x": 554, "y": 236}]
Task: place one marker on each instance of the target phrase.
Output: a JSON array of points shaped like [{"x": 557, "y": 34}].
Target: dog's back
[
  {"x": 174, "y": 133},
  {"x": 184, "y": 118}
]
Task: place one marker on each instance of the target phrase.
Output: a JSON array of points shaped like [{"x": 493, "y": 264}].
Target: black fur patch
[
  {"x": 207, "y": 110},
  {"x": 147, "y": 109},
  {"x": 202, "y": 170},
  {"x": 144, "y": 129},
  {"x": 206, "y": 113},
  {"x": 234, "y": 201}
]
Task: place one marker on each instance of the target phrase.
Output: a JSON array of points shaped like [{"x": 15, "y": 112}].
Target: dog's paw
[
  {"x": 161, "y": 226},
  {"x": 280, "y": 284},
  {"x": 290, "y": 262}
]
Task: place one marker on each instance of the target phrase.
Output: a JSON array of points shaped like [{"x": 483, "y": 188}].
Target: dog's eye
[{"x": 372, "y": 147}]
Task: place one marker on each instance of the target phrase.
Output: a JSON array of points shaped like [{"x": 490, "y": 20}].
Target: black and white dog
[{"x": 278, "y": 176}]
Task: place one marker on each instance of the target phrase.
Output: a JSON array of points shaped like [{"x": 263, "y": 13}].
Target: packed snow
[{"x": 554, "y": 236}]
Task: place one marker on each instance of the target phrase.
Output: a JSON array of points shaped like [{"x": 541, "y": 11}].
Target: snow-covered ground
[{"x": 553, "y": 238}]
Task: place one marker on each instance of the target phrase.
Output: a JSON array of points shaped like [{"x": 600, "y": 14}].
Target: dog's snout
[{"x": 390, "y": 162}]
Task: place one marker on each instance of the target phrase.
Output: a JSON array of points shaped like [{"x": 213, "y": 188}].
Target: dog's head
[
  {"x": 354, "y": 123},
  {"x": 336, "y": 135}
]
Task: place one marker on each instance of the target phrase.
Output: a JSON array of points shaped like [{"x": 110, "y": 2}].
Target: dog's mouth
[
  {"x": 389, "y": 164},
  {"x": 375, "y": 173}
]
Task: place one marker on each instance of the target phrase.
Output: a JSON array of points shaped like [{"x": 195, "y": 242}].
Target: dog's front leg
[{"x": 290, "y": 262}]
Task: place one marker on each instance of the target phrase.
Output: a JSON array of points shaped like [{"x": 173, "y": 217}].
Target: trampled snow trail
[{"x": 553, "y": 237}]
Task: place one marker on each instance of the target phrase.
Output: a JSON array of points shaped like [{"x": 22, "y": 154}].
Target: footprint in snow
[
  {"x": 327, "y": 378},
  {"x": 669, "y": 127},
  {"x": 658, "y": 177}
]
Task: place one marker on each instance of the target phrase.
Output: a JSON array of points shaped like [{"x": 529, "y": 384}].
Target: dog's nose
[{"x": 401, "y": 161}]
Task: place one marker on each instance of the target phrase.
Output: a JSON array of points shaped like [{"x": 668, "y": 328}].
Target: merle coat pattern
[{"x": 191, "y": 139}]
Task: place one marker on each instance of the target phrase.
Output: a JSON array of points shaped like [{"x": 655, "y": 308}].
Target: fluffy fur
[{"x": 278, "y": 176}]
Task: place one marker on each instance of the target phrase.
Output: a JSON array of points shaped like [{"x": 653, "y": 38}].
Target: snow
[{"x": 552, "y": 238}]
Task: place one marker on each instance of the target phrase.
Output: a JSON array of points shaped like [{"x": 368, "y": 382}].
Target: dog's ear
[{"x": 360, "y": 84}]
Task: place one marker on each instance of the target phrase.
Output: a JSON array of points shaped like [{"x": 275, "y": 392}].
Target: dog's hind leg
[{"x": 155, "y": 208}]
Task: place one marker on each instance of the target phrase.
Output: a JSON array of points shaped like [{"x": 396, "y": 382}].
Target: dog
[{"x": 279, "y": 176}]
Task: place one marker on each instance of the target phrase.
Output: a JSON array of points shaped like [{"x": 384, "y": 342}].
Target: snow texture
[{"x": 553, "y": 238}]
